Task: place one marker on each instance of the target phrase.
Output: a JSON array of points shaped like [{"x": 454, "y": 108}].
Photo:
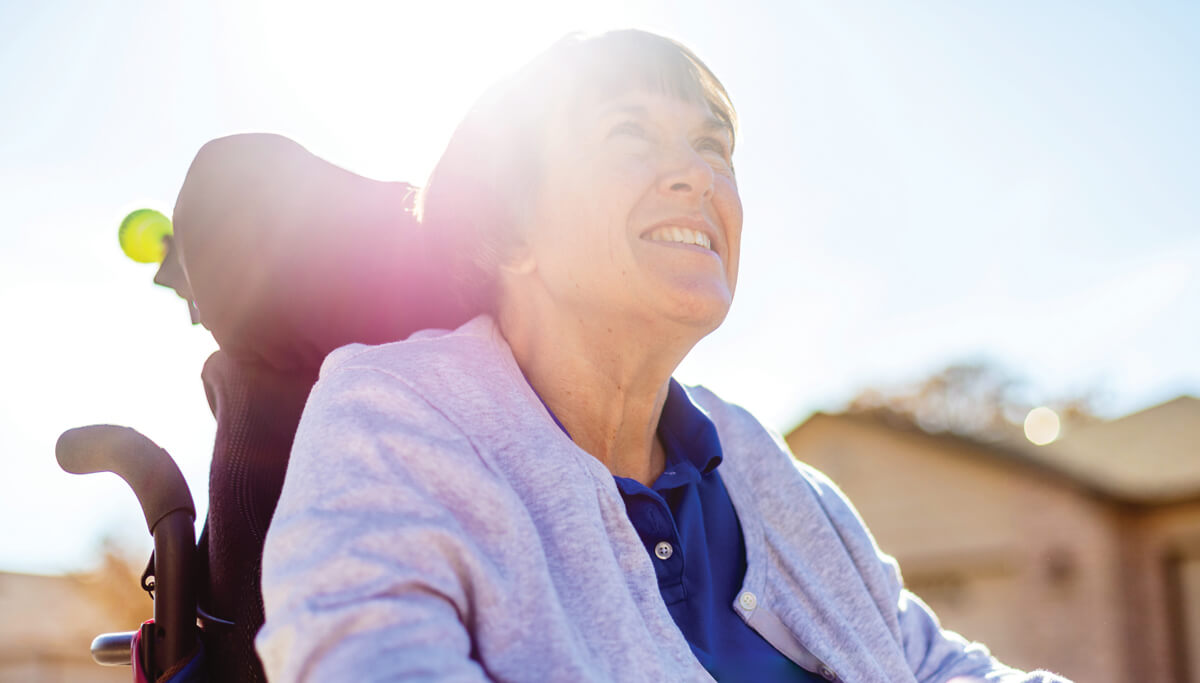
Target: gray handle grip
[{"x": 149, "y": 471}]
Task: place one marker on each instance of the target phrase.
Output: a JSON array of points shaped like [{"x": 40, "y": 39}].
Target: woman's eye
[
  {"x": 713, "y": 145},
  {"x": 628, "y": 128}
]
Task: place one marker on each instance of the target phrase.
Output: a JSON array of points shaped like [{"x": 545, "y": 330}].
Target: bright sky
[{"x": 923, "y": 183}]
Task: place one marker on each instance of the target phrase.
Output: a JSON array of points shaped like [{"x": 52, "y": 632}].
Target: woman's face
[{"x": 637, "y": 217}]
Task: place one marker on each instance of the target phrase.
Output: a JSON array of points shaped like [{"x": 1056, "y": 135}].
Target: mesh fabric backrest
[{"x": 257, "y": 410}]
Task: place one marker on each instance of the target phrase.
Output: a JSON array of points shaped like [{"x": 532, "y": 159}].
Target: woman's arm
[
  {"x": 368, "y": 565},
  {"x": 934, "y": 655}
]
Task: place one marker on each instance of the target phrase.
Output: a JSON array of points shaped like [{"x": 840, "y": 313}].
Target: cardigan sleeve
[
  {"x": 934, "y": 655},
  {"x": 367, "y": 572},
  {"x": 939, "y": 655}
]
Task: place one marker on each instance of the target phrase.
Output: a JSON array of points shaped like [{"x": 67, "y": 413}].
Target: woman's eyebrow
[
  {"x": 635, "y": 110},
  {"x": 712, "y": 124}
]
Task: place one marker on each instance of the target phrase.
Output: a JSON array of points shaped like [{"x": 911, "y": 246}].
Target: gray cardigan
[{"x": 435, "y": 524}]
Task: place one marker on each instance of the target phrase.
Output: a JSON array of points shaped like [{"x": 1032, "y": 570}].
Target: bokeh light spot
[{"x": 1042, "y": 426}]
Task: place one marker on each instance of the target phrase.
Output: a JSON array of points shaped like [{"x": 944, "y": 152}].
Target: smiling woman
[
  {"x": 532, "y": 496},
  {"x": 525, "y": 131},
  {"x": 638, "y": 219}
]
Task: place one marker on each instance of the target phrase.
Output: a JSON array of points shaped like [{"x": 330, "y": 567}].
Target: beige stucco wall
[
  {"x": 47, "y": 624},
  {"x": 1158, "y": 538},
  {"x": 1024, "y": 563}
]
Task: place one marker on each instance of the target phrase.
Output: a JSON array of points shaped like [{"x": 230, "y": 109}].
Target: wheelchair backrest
[{"x": 287, "y": 257}]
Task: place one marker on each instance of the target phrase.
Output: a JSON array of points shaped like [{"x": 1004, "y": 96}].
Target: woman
[{"x": 531, "y": 496}]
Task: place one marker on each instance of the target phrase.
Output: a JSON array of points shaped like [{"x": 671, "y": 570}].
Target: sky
[{"x": 923, "y": 183}]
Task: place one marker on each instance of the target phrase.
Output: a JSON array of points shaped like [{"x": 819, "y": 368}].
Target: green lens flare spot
[{"x": 141, "y": 235}]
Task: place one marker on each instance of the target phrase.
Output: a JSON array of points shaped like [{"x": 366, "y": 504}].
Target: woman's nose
[{"x": 687, "y": 172}]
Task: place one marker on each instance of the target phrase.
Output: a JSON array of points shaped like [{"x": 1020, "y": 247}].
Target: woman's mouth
[{"x": 674, "y": 233}]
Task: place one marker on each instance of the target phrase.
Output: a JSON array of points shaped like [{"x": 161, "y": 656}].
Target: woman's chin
[{"x": 703, "y": 311}]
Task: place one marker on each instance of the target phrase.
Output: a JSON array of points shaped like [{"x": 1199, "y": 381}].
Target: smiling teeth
[{"x": 684, "y": 235}]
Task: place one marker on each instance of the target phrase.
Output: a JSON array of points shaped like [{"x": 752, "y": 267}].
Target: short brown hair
[{"x": 473, "y": 199}]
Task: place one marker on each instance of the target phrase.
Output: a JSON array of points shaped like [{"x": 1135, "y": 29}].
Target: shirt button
[
  {"x": 828, "y": 673},
  {"x": 663, "y": 550},
  {"x": 747, "y": 601}
]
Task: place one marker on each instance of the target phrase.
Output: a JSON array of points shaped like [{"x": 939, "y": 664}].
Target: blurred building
[
  {"x": 47, "y": 624},
  {"x": 1082, "y": 556}
]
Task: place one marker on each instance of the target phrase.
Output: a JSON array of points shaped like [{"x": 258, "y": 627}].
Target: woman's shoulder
[
  {"x": 760, "y": 457},
  {"x": 476, "y": 345},
  {"x": 460, "y": 386},
  {"x": 747, "y": 443},
  {"x": 408, "y": 409},
  {"x": 466, "y": 367}
]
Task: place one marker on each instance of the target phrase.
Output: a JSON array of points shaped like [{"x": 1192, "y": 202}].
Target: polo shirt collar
[
  {"x": 688, "y": 435},
  {"x": 687, "y": 432}
]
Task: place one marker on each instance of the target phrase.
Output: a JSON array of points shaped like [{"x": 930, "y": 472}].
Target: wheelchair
[{"x": 284, "y": 257}]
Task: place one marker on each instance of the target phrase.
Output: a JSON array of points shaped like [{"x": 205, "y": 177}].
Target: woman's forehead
[{"x": 648, "y": 105}]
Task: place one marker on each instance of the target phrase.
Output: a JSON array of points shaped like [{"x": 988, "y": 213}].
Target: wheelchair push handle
[
  {"x": 149, "y": 471},
  {"x": 170, "y": 515}
]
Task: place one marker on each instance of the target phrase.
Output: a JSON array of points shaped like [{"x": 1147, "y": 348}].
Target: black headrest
[{"x": 289, "y": 256}]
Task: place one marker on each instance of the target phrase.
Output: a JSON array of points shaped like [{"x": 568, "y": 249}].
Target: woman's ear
[
  {"x": 518, "y": 259},
  {"x": 515, "y": 256}
]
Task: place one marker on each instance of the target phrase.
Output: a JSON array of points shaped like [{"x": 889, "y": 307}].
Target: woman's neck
[{"x": 605, "y": 383}]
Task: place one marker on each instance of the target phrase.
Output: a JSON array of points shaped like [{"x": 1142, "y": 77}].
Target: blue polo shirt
[{"x": 688, "y": 525}]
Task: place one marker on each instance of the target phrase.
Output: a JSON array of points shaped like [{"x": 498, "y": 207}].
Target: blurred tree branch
[
  {"x": 978, "y": 400},
  {"x": 115, "y": 585}
]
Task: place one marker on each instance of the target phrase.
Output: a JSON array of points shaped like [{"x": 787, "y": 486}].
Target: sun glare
[
  {"x": 1042, "y": 426},
  {"x": 364, "y": 80}
]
